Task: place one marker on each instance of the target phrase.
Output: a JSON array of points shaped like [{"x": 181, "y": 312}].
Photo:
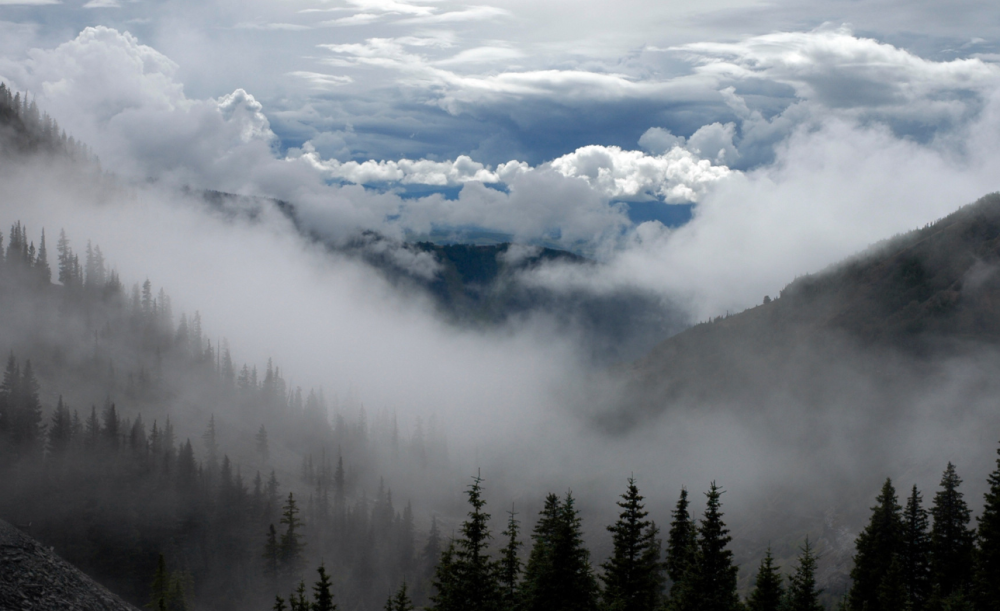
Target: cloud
[
  {"x": 675, "y": 176},
  {"x": 321, "y": 80},
  {"x": 472, "y": 13},
  {"x": 844, "y": 72},
  {"x": 289, "y": 27},
  {"x": 28, "y": 2}
]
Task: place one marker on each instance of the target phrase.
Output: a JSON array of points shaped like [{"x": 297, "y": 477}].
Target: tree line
[{"x": 114, "y": 484}]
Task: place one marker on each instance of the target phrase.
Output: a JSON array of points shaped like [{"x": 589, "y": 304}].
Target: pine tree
[
  {"x": 42, "y": 269},
  {"x": 322, "y": 596},
  {"x": 681, "y": 543},
  {"x": 710, "y": 584},
  {"x": 915, "y": 551},
  {"x": 558, "y": 575},
  {"x": 160, "y": 596},
  {"x": 802, "y": 594},
  {"x": 987, "y": 559},
  {"x": 272, "y": 555},
  {"x": 768, "y": 593},
  {"x": 297, "y": 599},
  {"x": 291, "y": 546},
  {"x": 876, "y": 547},
  {"x": 510, "y": 564},
  {"x": 472, "y": 584},
  {"x": 65, "y": 259},
  {"x": 61, "y": 431},
  {"x": 262, "y": 447},
  {"x": 952, "y": 541},
  {"x": 633, "y": 578},
  {"x": 400, "y": 602}
]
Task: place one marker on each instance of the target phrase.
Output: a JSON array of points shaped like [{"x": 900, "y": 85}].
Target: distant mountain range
[{"x": 483, "y": 284}]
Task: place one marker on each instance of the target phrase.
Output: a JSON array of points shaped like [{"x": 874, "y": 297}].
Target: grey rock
[{"x": 33, "y": 577}]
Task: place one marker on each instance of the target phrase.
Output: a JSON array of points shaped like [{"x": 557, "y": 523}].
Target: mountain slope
[
  {"x": 897, "y": 307},
  {"x": 32, "y": 577}
]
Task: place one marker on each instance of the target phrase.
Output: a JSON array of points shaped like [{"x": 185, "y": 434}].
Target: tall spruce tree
[
  {"x": 802, "y": 593},
  {"x": 987, "y": 559},
  {"x": 768, "y": 592},
  {"x": 915, "y": 552},
  {"x": 400, "y": 601},
  {"x": 710, "y": 582},
  {"x": 633, "y": 576},
  {"x": 510, "y": 564},
  {"x": 558, "y": 576},
  {"x": 952, "y": 541},
  {"x": 291, "y": 545},
  {"x": 876, "y": 548},
  {"x": 681, "y": 543},
  {"x": 471, "y": 582},
  {"x": 322, "y": 595}
]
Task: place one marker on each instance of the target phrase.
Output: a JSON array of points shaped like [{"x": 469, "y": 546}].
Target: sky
[{"x": 709, "y": 151}]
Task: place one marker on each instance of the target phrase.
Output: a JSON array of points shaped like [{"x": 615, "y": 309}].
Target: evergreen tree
[
  {"x": 681, "y": 544},
  {"x": 262, "y": 447},
  {"x": 272, "y": 555},
  {"x": 558, "y": 575},
  {"x": 987, "y": 559},
  {"x": 802, "y": 594},
  {"x": 322, "y": 596},
  {"x": 510, "y": 564},
  {"x": 65, "y": 259},
  {"x": 472, "y": 584},
  {"x": 915, "y": 551},
  {"x": 710, "y": 584},
  {"x": 400, "y": 602},
  {"x": 876, "y": 547},
  {"x": 952, "y": 541},
  {"x": 633, "y": 576},
  {"x": 767, "y": 593},
  {"x": 160, "y": 596},
  {"x": 61, "y": 431},
  {"x": 291, "y": 546},
  {"x": 297, "y": 599},
  {"x": 42, "y": 269}
]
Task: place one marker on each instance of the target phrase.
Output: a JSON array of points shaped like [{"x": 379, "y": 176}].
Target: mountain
[
  {"x": 896, "y": 309},
  {"x": 33, "y": 577},
  {"x": 485, "y": 284}
]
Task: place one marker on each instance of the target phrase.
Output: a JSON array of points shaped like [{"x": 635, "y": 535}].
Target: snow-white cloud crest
[{"x": 675, "y": 176}]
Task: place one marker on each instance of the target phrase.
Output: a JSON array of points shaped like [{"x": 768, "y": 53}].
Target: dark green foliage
[
  {"x": 291, "y": 546},
  {"x": 167, "y": 589},
  {"x": 987, "y": 560},
  {"x": 681, "y": 544},
  {"x": 768, "y": 592},
  {"x": 297, "y": 600},
  {"x": 915, "y": 551},
  {"x": 710, "y": 581},
  {"x": 322, "y": 596},
  {"x": 466, "y": 577},
  {"x": 876, "y": 548},
  {"x": 510, "y": 565},
  {"x": 558, "y": 575},
  {"x": 633, "y": 576},
  {"x": 400, "y": 601},
  {"x": 279, "y": 604},
  {"x": 952, "y": 541},
  {"x": 892, "y": 592},
  {"x": 802, "y": 594}
]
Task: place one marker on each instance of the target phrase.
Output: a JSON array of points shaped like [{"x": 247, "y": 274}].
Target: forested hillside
[{"x": 889, "y": 316}]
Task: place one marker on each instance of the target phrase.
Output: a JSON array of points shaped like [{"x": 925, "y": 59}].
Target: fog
[{"x": 521, "y": 402}]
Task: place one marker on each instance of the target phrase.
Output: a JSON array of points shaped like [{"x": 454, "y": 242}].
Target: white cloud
[
  {"x": 405, "y": 171},
  {"x": 102, "y": 4},
  {"x": 320, "y": 80},
  {"x": 28, "y": 2},
  {"x": 843, "y": 71},
  {"x": 675, "y": 176}
]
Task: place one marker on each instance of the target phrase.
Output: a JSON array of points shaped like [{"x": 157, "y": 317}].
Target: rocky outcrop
[{"x": 33, "y": 578}]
